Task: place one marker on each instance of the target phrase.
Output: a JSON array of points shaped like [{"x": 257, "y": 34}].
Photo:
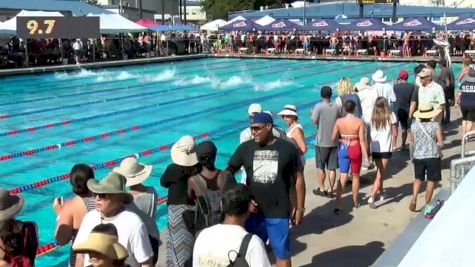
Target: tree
[{"x": 218, "y": 9}]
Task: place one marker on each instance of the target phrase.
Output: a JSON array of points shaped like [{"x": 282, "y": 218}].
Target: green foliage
[{"x": 218, "y": 9}]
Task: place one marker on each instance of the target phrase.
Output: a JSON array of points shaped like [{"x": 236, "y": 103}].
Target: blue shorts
[{"x": 274, "y": 229}]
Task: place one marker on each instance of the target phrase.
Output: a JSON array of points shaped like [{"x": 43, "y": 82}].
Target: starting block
[
  {"x": 470, "y": 53},
  {"x": 432, "y": 53},
  {"x": 330, "y": 52},
  {"x": 299, "y": 51},
  {"x": 243, "y": 50},
  {"x": 394, "y": 52},
  {"x": 361, "y": 52}
]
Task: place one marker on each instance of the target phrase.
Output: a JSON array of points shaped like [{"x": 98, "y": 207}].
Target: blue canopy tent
[
  {"x": 364, "y": 25},
  {"x": 321, "y": 25},
  {"x": 414, "y": 24},
  {"x": 462, "y": 24},
  {"x": 166, "y": 28},
  {"x": 280, "y": 25},
  {"x": 241, "y": 25}
]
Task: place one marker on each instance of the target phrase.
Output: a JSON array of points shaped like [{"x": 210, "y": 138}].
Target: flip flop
[{"x": 412, "y": 206}]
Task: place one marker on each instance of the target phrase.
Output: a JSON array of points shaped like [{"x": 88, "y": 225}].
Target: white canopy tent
[
  {"x": 266, "y": 20},
  {"x": 236, "y": 19},
  {"x": 213, "y": 25},
  {"x": 9, "y": 26},
  {"x": 115, "y": 23}
]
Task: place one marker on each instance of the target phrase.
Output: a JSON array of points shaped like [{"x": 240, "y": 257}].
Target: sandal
[{"x": 412, "y": 206}]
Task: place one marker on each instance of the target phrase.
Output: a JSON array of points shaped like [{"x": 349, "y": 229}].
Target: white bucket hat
[
  {"x": 133, "y": 171},
  {"x": 253, "y": 108},
  {"x": 379, "y": 76},
  {"x": 289, "y": 110},
  {"x": 183, "y": 152}
]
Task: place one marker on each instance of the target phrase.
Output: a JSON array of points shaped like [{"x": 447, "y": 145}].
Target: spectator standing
[
  {"x": 467, "y": 66},
  {"x": 428, "y": 93},
  {"x": 427, "y": 142},
  {"x": 466, "y": 101},
  {"x": 403, "y": 91},
  {"x": 145, "y": 197},
  {"x": 71, "y": 213},
  {"x": 211, "y": 249},
  {"x": 383, "y": 88},
  {"x": 445, "y": 78},
  {"x": 77, "y": 49},
  {"x": 270, "y": 163},
  {"x": 324, "y": 115},
  {"x": 181, "y": 214},
  {"x": 17, "y": 238},
  {"x": 346, "y": 91}
]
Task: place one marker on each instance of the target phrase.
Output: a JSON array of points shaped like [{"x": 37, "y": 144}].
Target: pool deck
[
  {"x": 359, "y": 238},
  {"x": 117, "y": 63}
]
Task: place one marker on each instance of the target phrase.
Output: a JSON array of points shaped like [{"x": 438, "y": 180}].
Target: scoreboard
[{"x": 58, "y": 27}]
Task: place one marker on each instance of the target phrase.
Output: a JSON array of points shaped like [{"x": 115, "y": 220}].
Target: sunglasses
[
  {"x": 102, "y": 196},
  {"x": 257, "y": 128}
]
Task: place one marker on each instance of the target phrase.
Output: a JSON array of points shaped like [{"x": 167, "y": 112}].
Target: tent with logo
[
  {"x": 321, "y": 25},
  {"x": 414, "y": 24},
  {"x": 280, "y": 25},
  {"x": 9, "y": 26},
  {"x": 169, "y": 28},
  {"x": 462, "y": 24},
  {"x": 364, "y": 25},
  {"x": 265, "y": 20},
  {"x": 241, "y": 25}
]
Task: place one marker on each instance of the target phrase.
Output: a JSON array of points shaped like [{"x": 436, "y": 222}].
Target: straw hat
[
  {"x": 133, "y": 171},
  {"x": 379, "y": 76},
  {"x": 183, "y": 152},
  {"x": 113, "y": 183},
  {"x": 424, "y": 73},
  {"x": 103, "y": 244},
  {"x": 425, "y": 112},
  {"x": 362, "y": 84},
  {"x": 10, "y": 205},
  {"x": 289, "y": 110}
]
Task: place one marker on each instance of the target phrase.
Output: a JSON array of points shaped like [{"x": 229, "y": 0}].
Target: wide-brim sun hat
[
  {"x": 10, "y": 205},
  {"x": 103, "y": 244},
  {"x": 133, "y": 171},
  {"x": 426, "y": 112},
  {"x": 113, "y": 183},
  {"x": 289, "y": 110},
  {"x": 183, "y": 152},
  {"x": 379, "y": 76}
]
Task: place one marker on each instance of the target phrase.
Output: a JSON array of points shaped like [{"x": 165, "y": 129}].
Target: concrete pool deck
[{"x": 359, "y": 238}]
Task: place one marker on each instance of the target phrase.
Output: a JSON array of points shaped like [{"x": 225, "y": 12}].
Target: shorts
[
  {"x": 381, "y": 155},
  {"x": 468, "y": 114},
  {"x": 274, "y": 229},
  {"x": 326, "y": 157},
  {"x": 350, "y": 156},
  {"x": 403, "y": 119},
  {"x": 432, "y": 167}
]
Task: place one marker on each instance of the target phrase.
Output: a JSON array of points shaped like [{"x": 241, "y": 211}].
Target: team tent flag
[
  {"x": 241, "y": 25},
  {"x": 462, "y": 24}
]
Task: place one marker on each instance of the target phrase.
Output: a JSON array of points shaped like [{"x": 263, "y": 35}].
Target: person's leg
[
  {"x": 434, "y": 175},
  {"x": 429, "y": 191},
  {"x": 331, "y": 178},
  {"x": 403, "y": 139},
  {"x": 419, "y": 173},
  {"x": 377, "y": 181},
  {"x": 332, "y": 165},
  {"x": 320, "y": 169},
  {"x": 339, "y": 190},
  {"x": 278, "y": 229},
  {"x": 355, "y": 187},
  {"x": 354, "y": 153},
  {"x": 344, "y": 164}
]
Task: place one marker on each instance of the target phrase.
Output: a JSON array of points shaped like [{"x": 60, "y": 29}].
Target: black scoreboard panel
[{"x": 57, "y": 27}]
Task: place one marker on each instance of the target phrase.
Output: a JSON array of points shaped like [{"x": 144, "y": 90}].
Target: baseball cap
[
  {"x": 261, "y": 117},
  {"x": 403, "y": 74}
]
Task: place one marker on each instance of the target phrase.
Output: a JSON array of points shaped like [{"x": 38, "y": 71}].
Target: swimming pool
[{"x": 49, "y": 122}]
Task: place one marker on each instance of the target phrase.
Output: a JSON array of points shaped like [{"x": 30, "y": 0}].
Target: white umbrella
[
  {"x": 213, "y": 25},
  {"x": 266, "y": 20}
]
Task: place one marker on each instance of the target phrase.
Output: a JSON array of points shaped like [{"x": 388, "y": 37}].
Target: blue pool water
[{"x": 167, "y": 100}]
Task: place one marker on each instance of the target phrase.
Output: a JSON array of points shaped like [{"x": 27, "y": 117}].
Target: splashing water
[
  {"x": 272, "y": 85},
  {"x": 79, "y": 74},
  {"x": 108, "y": 76},
  {"x": 232, "y": 81},
  {"x": 194, "y": 80},
  {"x": 165, "y": 75}
]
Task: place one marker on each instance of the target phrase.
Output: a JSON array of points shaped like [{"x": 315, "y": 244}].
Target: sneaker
[
  {"x": 371, "y": 202},
  {"x": 320, "y": 192}
]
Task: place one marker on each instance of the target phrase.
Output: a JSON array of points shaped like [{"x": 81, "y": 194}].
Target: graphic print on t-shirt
[{"x": 265, "y": 166}]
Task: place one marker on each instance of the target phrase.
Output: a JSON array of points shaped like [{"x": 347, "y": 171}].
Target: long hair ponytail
[{"x": 381, "y": 116}]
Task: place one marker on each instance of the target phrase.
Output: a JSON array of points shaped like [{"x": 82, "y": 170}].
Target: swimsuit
[{"x": 349, "y": 153}]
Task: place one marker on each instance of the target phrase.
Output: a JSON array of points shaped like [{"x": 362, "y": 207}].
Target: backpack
[
  {"x": 28, "y": 249},
  {"x": 208, "y": 205},
  {"x": 240, "y": 260}
]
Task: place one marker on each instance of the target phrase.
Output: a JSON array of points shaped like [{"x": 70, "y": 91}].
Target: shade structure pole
[{"x": 394, "y": 11}]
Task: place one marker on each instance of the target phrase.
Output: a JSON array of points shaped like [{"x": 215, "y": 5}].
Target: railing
[{"x": 460, "y": 167}]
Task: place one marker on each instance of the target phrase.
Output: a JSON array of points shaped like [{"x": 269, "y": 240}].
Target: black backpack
[{"x": 240, "y": 260}]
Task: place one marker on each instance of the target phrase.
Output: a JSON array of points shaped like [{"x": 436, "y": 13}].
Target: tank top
[
  {"x": 90, "y": 205},
  {"x": 210, "y": 190},
  {"x": 289, "y": 133}
]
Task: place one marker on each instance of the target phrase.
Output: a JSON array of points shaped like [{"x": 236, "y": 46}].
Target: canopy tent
[
  {"x": 364, "y": 25},
  {"x": 169, "y": 28},
  {"x": 321, "y": 25},
  {"x": 147, "y": 23},
  {"x": 414, "y": 24},
  {"x": 462, "y": 23},
  {"x": 213, "y": 25},
  {"x": 238, "y": 18},
  {"x": 9, "y": 26},
  {"x": 265, "y": 20},
  {"x": 280, "y": 25},
  {"x": 243, "y": 25},
  {"x": 115, "y": 23}
]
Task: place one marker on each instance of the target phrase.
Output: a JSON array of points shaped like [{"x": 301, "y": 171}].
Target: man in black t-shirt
[
  {"x": 270, "y": 163},
  {"x": 403, "y": 91}
]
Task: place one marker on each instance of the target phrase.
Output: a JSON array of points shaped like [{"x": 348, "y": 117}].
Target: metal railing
[{"x": 460, "y": 167}]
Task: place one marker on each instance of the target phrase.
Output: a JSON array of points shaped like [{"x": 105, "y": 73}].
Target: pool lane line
[
  {"x": 135, "y": 127},
  {"x": 133, "y": 70},
  {"x": 146, "y": 152},
  {"x": 158, "y": 92},
  {"x": 51, "y": 246},
  {"x": 11, "y": 115},
  {"x": 119, "y": 88}
]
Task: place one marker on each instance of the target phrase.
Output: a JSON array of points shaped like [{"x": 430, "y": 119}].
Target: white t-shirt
[
  {"x": 385, "y": 90},
  {"x": 367, "y": 98},
  {"x": 132, "y": 235},
  {"x": 381, "y": 139},
  {"x": 214, "y": 243}
]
